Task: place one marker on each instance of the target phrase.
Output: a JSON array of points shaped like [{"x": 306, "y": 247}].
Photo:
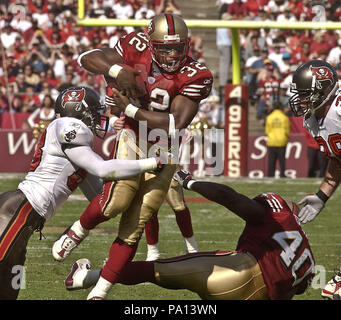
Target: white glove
[{"x": 313, "y": 205}]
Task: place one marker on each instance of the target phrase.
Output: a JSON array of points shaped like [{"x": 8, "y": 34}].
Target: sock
[
  {"x": 191, "y": 245},
  {"x": 184, "y": 221},
  {"x": 137, "y": 272},
  {"x": 101, "y": 289},
  {"x": 152, "y": 230},
  {"x": 79, "y": 230},
  {"x": 92, "y": 216},
  {"x": 120, "y": 254}
]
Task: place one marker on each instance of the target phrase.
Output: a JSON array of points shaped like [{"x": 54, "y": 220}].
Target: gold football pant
[
  {"x": 213, "y": 275},
  {"x": 175, "y": 196},
  {"x": 136, "y": 198}
]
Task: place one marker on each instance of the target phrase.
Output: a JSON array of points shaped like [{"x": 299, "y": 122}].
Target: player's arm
[
  {"x": 332, "y": 178},
  {"x": 244, "y": 207},
  {"x": 85, "y": 158},
  {"x": 182, "y": 111},
  {"x": 314, "y": 203},
  {"x": 108, "y": 62}
]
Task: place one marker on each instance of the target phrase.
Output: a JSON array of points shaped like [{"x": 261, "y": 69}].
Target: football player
[
  {"x": 176, "y": 200},
  {"x": 63, "y": 160},
  {"x": 171, "y": 86},
  {"x": 272, "y": 260},
  {"x": 317, "y": 98}
]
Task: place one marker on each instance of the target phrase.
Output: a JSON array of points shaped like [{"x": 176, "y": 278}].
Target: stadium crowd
[{"x": 41, "y": 46}]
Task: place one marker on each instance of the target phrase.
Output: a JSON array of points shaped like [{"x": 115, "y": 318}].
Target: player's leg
[
  {"x": 175, "y": 198},
  {"x": 219, "y": 275},
  {"x": 152, "y": 238},
  {"x": 18, "y": 221},
  {"x": 213, "y": 276},
  {"x": 152, "y": 192}
]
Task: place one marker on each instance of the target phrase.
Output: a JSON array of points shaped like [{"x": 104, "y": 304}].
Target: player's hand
[
  {"x": 313, "y": 205},
  {"x": 126, "y": 80},
  {"x": 183, "y": 177},
  {"x": 160, "y": 165},
  {"x": 120, "y": 100},
  {"x": 119, "y": 123}
]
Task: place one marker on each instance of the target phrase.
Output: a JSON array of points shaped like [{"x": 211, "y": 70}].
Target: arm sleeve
[{"x": 85, "y": 158}]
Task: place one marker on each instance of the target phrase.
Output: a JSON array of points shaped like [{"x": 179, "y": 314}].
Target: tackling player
[
  {"x": 318, "y": 99},
  {"x": 63, "y": 160},
  {"x": 273, "y": 259},
  {"x": 173, "y": 84}
]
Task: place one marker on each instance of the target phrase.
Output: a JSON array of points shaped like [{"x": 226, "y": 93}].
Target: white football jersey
[
  {"x": 327, "y": 131},
  {"x": 52, "y": 177}
]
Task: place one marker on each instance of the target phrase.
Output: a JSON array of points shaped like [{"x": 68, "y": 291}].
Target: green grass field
[{"x": 214, "y": 227}]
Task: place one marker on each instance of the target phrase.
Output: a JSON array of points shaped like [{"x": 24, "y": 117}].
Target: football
[{"x": 112, "y": 83}]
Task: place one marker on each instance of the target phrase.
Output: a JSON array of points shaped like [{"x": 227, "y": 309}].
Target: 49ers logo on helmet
[
  {"x": 73, "y": 96},
  {"x": 151, "y": 28},
  {"x": 322, "y": 74}
]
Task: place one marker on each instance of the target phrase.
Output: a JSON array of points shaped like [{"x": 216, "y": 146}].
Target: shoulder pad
[{"x": 74, "y": 132}]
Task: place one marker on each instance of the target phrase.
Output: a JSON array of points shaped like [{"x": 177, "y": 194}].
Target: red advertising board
[{"x": 17, "y": 148}]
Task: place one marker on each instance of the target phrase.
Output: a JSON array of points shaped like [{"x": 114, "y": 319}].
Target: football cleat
[
  {"x": 332, "y": 290},
  {"x": 96, "y": 298},
  {"x": 65, "y": 244},
  {"x": 79, "y": 270}
]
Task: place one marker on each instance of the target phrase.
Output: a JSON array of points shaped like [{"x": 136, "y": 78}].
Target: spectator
[
  {"x": 224, "y": 44},
  {"x": 8, "y": 36},
  {"x": 286, "y": 16},
  {"x": 144, "y": 12},
  {"x": 41, "y": 117},
  {"x": 237, "y": 9},
  {"x": 268, "y": 83},
  {"x": 303, "y": 54},
  {"x": 277, "y": 129},
  {"x": 17, "y": 104},
  {"x": 256, "y": 67},
  {"x": 40, "y": 16},
  {"x": 76, "y": 39},
  {"x": 124, "y": 10},
  {"x": 31, "y": 78},
  {"x": 335, "y": 54}
]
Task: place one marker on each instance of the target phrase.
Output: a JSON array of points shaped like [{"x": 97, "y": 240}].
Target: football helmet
[
  {"x": 84, "y": 104},
  {"x": 313, "y": 84},
  {"x": 168, "y": 41}
]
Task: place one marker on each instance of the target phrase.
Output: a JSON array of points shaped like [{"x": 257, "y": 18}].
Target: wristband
[
  {"x": 130, "y": 110},
  {"x": 148, "y": 164},
  {"x": 114, "y": 70},
  {"x": 322, "y": 196},
  {"x": 190, "y": 183},
  {"x": 112, "y": 121}
]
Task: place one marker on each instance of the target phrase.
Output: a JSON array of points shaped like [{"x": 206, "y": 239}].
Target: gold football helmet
[{"x": 168, "y": 41}]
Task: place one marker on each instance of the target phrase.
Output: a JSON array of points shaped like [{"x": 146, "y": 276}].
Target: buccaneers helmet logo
[
  {"x": 321, "y": 74},
  {"x": 73, "y": 96},
  {"x": 69, "y": 136}
]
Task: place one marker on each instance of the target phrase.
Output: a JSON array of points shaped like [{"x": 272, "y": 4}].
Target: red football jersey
[
  {"x": 194, "y": 80},
  {"x": 281, "y": 248},
  {"x": 269, "y": 87}
]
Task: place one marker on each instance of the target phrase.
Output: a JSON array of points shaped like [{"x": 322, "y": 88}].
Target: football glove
[
  {"x": 313, "y": 205},
  {"x": 184, "y": 177}
]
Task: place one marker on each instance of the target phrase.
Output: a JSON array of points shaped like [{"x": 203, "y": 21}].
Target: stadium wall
[{"x": 17, "y": 149}]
